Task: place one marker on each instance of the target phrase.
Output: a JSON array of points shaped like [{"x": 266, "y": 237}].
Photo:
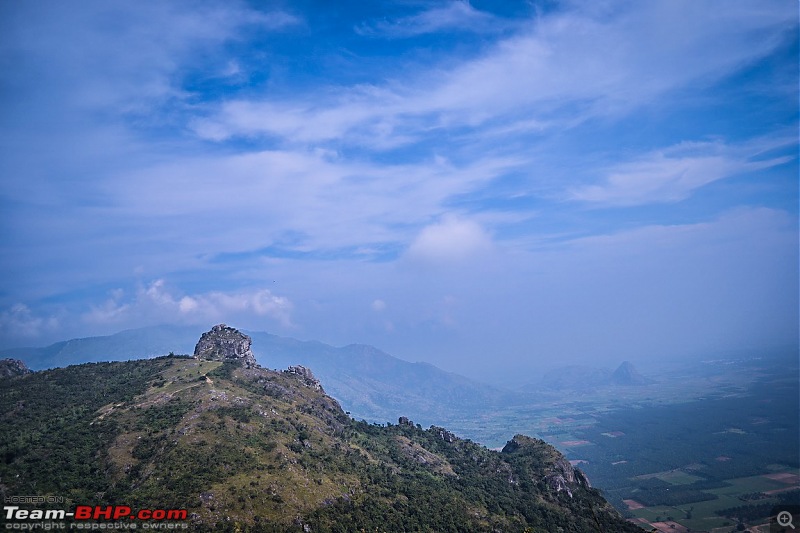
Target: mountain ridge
[
  {"x": 373, "y": 384},
  {"x": 252, "y": 449}
]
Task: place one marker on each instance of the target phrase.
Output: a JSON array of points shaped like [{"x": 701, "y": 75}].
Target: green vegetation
[
  {"x": 257, "y": 450},
  {"x": 52, "y": 426},
  {"x": 672, "y": 496},
  {"x": 759, "y": 510}
]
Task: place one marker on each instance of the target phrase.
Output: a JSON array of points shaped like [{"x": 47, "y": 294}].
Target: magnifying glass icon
[{"x": 785, "y": 519}]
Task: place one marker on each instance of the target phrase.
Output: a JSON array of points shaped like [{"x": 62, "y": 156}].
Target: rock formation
[
  {"x": 305, "y": 375},
  {"x": 12, "y": 367},
  {"x": 548, "y": 465},
  {"x": 225, "y": 344},
  {"x": 565, "y": 477}
]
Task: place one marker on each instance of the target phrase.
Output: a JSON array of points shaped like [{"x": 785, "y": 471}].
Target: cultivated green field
[{"x": 702, "y": 516}]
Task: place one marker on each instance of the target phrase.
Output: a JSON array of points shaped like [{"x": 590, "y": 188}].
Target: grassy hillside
[{"x": 263, "y": 450}]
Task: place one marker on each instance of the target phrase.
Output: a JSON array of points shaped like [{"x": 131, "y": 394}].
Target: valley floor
[{"x": 705, "y": 449}]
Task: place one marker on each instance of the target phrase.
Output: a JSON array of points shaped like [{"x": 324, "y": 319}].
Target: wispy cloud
[
  {"x": 122, "y": 57},
  {"x": 672, "y": 174},
  {"x": 454, "y": 15},
  {"x": 567, "y": 66},
  {"x": 312, "y": 194}
]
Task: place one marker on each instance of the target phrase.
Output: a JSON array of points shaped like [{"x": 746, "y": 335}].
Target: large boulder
[{"x": 225, "y": 344}]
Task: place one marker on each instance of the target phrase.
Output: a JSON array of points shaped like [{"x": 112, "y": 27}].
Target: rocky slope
[
  {"x": 250, "y": 449},
  {"x": 12, "y": 367}
]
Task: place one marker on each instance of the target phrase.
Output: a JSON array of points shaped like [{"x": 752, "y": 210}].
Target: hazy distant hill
[
  {"x": 128, "y": 344},
  {"x": 374, "y": 385},
  {"x": 251, "y": 449},
  {"x": 626, "y": 374},
  {"x": 583, "y": 378},
  {"x": 369, "y": 383}
]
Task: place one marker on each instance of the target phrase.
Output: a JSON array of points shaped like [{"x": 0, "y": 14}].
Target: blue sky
[{"x": 473, "y": 184}]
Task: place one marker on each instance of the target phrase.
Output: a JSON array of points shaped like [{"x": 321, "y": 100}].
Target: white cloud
[
  {"x": 123, "y": 57},
  {"x": 156, "y": 302},
  {"x": 378, "y": 305},
  {"x": 19, "y": 322},
  {"x": 187, "y": 304},
  {"x": 452, "y": 239},
  {"x": 272, "y": 193},
  {"x": 673, "y": 174}
]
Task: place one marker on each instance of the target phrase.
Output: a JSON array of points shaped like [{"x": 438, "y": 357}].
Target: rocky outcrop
[
  {"x": 305, "y": 375},
  {"x": 547, "y": 464},
  {"x": 225, "y": 344},
  {"x": 444, "y": 434},
  {"x": 565, "y": 477},
  {"x": 13, "y": 367}
]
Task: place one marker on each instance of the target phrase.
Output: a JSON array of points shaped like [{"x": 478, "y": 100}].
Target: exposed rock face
[
  {"x": 559, "y": 476},
  {"x": 225, "y": 344},
  {"x": 12, "y": 367},
  {"x": 444, "y": 434},
  {"x": 306, "y": 375},
  {"x": 565, "y": 477}
]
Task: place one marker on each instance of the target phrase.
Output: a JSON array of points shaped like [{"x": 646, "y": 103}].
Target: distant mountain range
[{"x": 129, "y": 344}]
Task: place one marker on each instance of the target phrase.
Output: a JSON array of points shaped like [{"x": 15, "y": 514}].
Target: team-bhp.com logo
[{"x": 119, "y": 514}]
